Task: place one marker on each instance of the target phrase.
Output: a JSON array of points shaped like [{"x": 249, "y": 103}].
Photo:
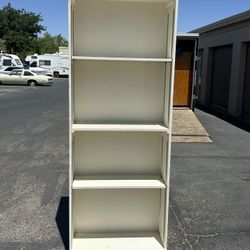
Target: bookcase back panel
[
  {"x": 117, "y": 153},
  {"x": 119, "y": 92},
  {"x": 120, "y": 28},
  {"x": 106, "y": 211}
]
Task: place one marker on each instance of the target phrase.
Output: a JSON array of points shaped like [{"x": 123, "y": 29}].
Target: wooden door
[{"x": 183, "y": 79}]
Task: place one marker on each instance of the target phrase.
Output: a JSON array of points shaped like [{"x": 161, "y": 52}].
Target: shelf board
[
  {"x": 118, "y": 128},
  {"x": 121, "y": 59},
  {"x": 136, "y": 241},
  {"x": 118, "y": 182},
  {"x": 139, "y": 1}
]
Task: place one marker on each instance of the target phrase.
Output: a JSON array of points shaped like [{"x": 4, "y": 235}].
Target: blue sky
[
  {"x": 197, "y": 13},
  {"x": 54, "y": 12},
  {"x": 192, "y": 13}
]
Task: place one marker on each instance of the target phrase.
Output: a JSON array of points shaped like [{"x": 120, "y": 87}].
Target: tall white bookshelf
[{"x": 121, "y": 93}]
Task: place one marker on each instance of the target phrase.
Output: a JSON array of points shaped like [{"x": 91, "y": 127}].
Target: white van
[{"x": 57, "y": 64}]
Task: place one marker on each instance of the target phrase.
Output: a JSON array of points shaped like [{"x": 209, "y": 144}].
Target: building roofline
[
  {"x": 187, "y": 36},
  {"x": 224, "y": 22}
]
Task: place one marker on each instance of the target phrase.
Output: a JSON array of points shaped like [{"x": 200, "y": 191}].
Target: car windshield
[
  {"x": 18, "y": 62},
  {"x": 33, "y": 64}
]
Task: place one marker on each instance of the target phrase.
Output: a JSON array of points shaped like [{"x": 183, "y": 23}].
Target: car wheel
[
  {"x": 56, "y": 74},
  {"x": 32, "y": 83}
]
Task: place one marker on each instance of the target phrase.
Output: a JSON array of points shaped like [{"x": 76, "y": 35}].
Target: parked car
[
  {"x": 8, "y": 70},
  {"x": 23, "y": 76}
]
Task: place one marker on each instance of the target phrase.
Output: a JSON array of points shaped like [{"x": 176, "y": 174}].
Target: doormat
[{"x": 187, "y": 127}]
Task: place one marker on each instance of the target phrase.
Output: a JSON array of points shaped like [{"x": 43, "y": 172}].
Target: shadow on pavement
[
  {"x": 24, "y": 85},
  {"x": 62, "y": 220},
  {"x": 226, "y": 117}
]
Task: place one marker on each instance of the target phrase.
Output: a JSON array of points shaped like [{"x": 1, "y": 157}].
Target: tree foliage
[
  {"x": 2, "y": 45},
  {"x": 20, "y": 30},
  {"x": 50, "y": 44}
]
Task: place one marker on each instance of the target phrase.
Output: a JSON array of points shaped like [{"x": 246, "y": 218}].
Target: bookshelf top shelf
[
  {"x": 118, "y": 128},
  {"x": 119, "y": 182},
  {"x": 121, "y": 59},
  {"x": 137, "y": 1}
]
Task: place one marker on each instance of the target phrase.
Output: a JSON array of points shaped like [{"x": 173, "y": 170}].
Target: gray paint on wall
[{"x": 232, "y": 31}]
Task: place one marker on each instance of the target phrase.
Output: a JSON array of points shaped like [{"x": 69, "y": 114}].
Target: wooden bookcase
[{"x": 121, "y": 93}]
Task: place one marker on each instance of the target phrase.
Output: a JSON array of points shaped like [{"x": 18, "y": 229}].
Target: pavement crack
[
  {"x": 247, "y": 179},
  {"x": 199, "y": 236},
  {"x": 181, "y": 227},
  {"x": 224, "y": 157},
  {"x": 197, "y": 241},
  {"x": 215, "y": 234}
]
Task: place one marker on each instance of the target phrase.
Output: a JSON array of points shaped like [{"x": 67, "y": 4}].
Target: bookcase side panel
[
  {"x": 167, "y": 95},
  {"x": 70, "y": 30},
  {"x": 169, "y": 116}
]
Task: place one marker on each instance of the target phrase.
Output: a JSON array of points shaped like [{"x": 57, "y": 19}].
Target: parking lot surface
[
  {"x": 33, "y": 166},
  {"x": 210, "y": 183}
]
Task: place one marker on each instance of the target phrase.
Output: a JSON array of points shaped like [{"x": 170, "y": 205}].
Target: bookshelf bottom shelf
[{"x": 143, "y": 241}]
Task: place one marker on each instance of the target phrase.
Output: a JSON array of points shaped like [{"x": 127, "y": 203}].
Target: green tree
[
  {"x": 50, "y": 44},
  {"x": 19, "y": 29},
  {"x": 2, "y": 45},
  {"x": 61, "y": 41}
]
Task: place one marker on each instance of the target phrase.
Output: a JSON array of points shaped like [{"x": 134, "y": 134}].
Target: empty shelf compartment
[
  {"x": 120, "y": 92},
  {"x": 112, "y": 153},
  {"x": 126, "y": 241},
  {"x": 117, "y": 210},
  {"x": 121, "y": 28}
]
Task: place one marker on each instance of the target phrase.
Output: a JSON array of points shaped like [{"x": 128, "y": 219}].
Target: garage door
[
  {"x": 246, "y": 95},
  {"x": 221, "y": 75}
]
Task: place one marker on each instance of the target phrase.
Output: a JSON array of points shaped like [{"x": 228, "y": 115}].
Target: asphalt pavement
[
  {"x": 34, "y": 166},
  {"x": 210, "y": 190},
  {"x": 210, "y": 182}
]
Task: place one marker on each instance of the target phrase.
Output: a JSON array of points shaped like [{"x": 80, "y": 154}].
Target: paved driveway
[
  {"x": 210, "y": 185},
  {"x": 210, "y": 190}
]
